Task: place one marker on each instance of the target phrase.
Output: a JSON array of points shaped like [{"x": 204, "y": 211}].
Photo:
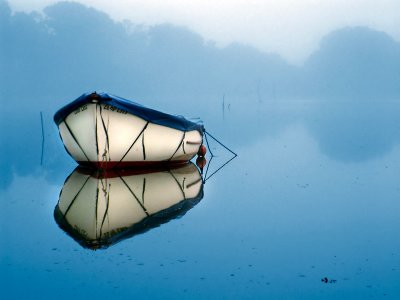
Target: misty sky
[{"x": 292, "y": 28}]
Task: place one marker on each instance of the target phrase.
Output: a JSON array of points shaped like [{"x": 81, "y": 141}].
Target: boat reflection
[{"x": 99, "y": 209}]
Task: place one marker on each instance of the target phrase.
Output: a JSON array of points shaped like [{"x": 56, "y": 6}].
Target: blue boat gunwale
[{"x": 148, "y": 114}]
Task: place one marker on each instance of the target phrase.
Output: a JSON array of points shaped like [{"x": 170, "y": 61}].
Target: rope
[
  {"x": 206, "y": 133},
  {"x": 215, "y": 139},
  {"x": 208, "y": 145},
  {"x": 208, "y": 165}
]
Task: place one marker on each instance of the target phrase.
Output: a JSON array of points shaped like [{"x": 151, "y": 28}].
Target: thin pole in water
[
  {"x": 223, "y": 107},
  {"x": 41, "y": 122}
]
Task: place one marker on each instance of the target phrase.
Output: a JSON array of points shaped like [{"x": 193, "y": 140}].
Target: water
[
  {"x": 308, "y": 209},
  {"x": 289, "y": 218}
]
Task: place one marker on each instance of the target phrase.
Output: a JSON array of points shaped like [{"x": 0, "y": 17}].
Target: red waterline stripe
[{"x": 132, "y": 164}]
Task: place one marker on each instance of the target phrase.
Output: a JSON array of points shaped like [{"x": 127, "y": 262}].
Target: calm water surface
[{"x": 286, "y": 219}]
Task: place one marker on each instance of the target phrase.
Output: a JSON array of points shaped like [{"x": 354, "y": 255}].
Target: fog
[
  {"x": 291, "y": 28},
  {"x": 307, "y": 210},
  {"x": 346, "y": 93}
]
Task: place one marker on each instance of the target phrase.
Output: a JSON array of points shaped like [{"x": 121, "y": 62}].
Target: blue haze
[{"x": 314, "y": 191}]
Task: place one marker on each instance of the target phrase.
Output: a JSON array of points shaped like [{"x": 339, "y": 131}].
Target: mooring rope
[
  {"x": 206, "y": 133},
  {"x": 215, "y": 139}
]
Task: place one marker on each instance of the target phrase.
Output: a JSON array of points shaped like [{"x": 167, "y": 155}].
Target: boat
[
  {"x": 105, "y": 131},
  {"x": 99, "y": 208}
]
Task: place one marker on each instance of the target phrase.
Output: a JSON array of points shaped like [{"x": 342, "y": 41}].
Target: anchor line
[
  {"x": 215, "y": 139},
  {"x": 208, "y": 144},
  {"x": 219, "y": 168},
  {"x": 208, "y": 166},
  {"x": 206, "y": 176},
  {"x": 212, "y": 156}
]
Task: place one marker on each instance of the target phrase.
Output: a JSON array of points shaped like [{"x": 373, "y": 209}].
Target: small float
[
  {"x": 99, "y": 208},
  {"x": 105, "y": 131}
]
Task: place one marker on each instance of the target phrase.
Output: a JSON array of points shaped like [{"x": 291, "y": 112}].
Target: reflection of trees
[
  {"x": 351, "y": 129},
  {"x": 355, "y": 75}
]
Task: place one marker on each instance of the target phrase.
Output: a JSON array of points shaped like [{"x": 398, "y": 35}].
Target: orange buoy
[
  {"x": 201, "y": 162},
  {"x": 202, "y": 151}
]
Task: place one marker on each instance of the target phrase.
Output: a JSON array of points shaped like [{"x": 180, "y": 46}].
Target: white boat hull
[{"x": 103, "y": 136}]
